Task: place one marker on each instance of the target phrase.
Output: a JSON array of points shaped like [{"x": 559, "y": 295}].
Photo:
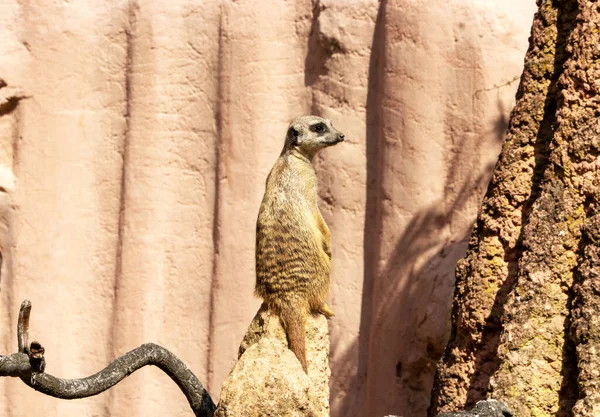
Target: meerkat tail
[{"x": 293, "y": 319}]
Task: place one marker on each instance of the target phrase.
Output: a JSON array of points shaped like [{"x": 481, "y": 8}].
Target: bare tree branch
[
  {"x": 23, "y": 326},
  {"x": 29, "y": 363}
]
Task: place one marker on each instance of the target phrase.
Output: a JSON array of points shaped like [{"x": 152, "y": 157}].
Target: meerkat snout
[{"x": 309, "y": 134}]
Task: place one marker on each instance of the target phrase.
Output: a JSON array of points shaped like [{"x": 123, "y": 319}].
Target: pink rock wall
[{"x": 131, "y": 176}]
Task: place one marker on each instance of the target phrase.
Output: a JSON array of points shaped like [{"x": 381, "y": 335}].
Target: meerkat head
[{"x": 309, "y": 134}]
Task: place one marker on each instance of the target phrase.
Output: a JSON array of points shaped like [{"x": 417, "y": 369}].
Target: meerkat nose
[{"x": 341, "y": 137}]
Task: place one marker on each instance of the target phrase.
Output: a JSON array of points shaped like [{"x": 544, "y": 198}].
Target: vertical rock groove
[
  {"x": 130, "y": 33},
  {"x": 219, "y": 121},
  {"x": 372, "y": 226}
]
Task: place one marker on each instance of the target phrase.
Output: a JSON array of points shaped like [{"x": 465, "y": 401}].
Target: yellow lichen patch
[
  {"x": 492, "y": 247},
  {"x": 574, "y": 221}
]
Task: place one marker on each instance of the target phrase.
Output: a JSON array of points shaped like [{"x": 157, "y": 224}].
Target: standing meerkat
[{"x": 293, "y": 246}]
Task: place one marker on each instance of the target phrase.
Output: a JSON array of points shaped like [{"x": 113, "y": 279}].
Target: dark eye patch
[{"x": 319, "y": 128}]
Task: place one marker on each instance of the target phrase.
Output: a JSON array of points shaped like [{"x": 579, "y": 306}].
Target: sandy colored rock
[{"x": 268, "y": 380}]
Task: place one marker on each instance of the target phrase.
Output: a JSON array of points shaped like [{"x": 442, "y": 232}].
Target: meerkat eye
[{"x": 319, "y": 128}]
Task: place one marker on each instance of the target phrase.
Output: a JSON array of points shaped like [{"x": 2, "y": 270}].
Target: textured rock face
[
  {"x": 268, "y": 380},
  {"x": 522, "y": 329},
  {"x": 132, "y": 174},
  {"x": 486, "y": 276}
]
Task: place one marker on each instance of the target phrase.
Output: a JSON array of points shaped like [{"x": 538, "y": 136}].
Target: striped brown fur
[{"x": 293, "y": 251}]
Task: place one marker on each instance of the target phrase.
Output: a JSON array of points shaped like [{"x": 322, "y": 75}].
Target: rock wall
[{"x": 135, "y": 138}]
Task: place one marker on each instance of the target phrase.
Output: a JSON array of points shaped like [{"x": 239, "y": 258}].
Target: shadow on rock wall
[{"x": 407, "y": 292}]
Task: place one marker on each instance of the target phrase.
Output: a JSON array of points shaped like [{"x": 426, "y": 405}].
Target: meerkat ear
[{"x": 292, "y": 136}]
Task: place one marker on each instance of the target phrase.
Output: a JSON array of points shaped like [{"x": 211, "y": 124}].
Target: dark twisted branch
[
  {"x": 23, "y": 326},
  {"x": 28, "y": 364}
]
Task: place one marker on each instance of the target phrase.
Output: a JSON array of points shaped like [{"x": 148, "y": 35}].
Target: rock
[
  {"x": 268, "y": 380},
  {"x": 485, "y": 408}
]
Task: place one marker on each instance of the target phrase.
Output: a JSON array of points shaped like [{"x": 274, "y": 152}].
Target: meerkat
[{"x": 293, "y": 244}]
